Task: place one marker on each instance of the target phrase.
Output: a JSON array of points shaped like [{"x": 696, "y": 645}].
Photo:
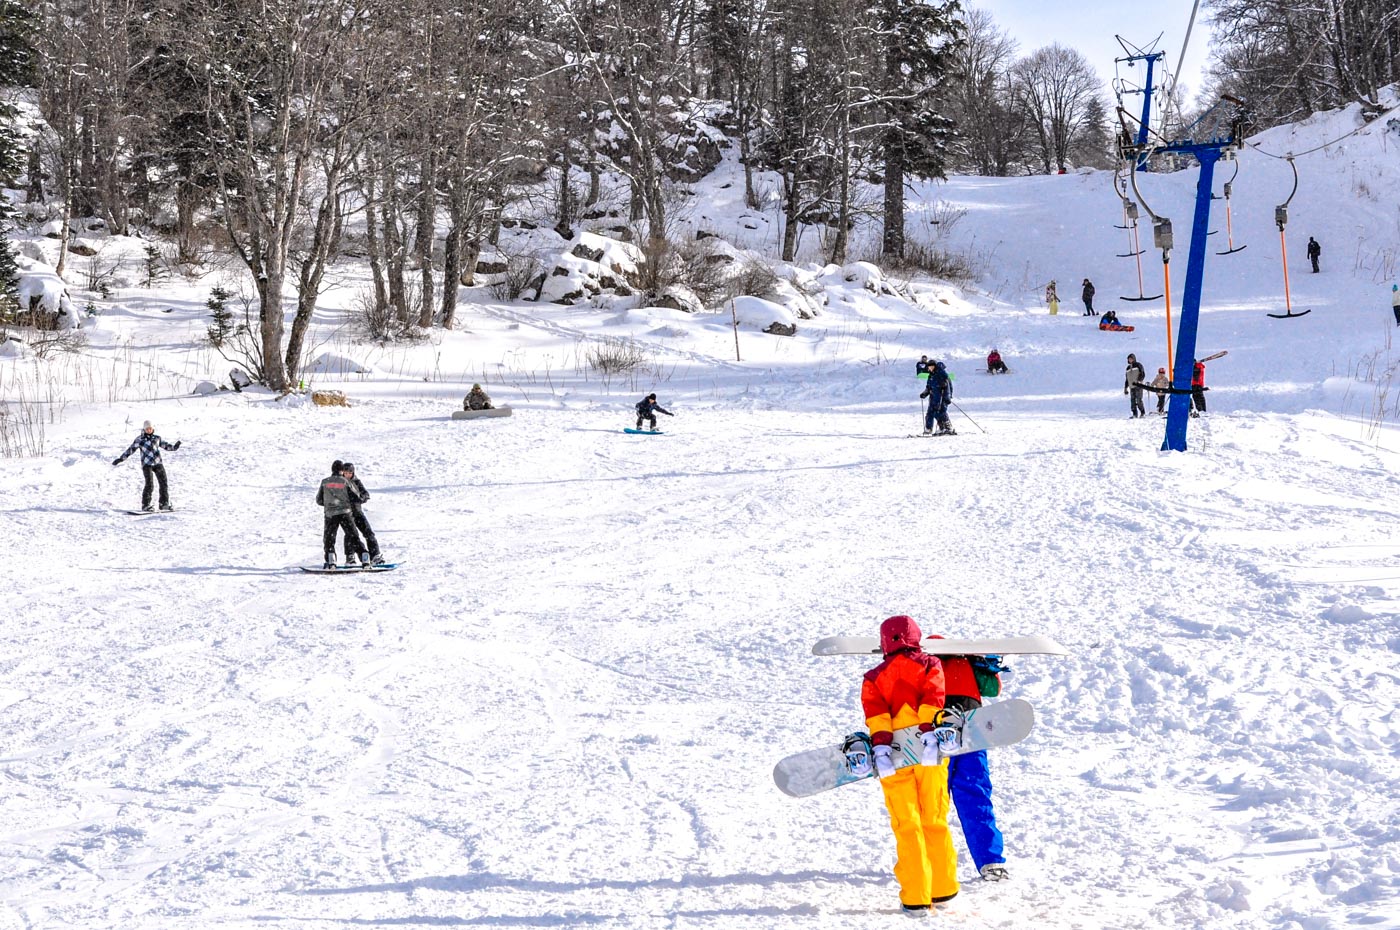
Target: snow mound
[
  {"x": 329, "y": 363},
  {"x": 755, "y": 311},
  {"x": 40, "y": 285}
]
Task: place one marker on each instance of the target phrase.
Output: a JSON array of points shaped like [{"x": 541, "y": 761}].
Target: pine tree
[
  {"x": 920, "y": 37},
  {"x": 16, "y": 69}
]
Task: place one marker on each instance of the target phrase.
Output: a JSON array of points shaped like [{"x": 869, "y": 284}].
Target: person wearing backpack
[{"x": 968, "y": 679}]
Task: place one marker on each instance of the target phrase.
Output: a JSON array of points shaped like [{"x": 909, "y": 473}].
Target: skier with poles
[
  {"x": 151, "y": 465},
  {"x": 939, "y": 393},
  {"x": 907, "y": 689}
]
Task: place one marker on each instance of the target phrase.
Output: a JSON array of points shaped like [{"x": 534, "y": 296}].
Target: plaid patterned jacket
[{"x": 150, "y": 447}]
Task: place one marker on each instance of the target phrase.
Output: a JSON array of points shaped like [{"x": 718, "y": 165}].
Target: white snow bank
[
  {"x": 755, "y": 311},
  {"x": 329, "y": 363}
]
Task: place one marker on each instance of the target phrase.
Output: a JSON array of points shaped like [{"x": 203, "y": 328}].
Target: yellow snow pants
[{"x": 926, "y": 866}]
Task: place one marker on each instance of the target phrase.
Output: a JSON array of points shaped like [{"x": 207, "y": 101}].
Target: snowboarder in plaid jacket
[
  {"x": 151, "y": 465},
  {"x": 337, "y": 496}
]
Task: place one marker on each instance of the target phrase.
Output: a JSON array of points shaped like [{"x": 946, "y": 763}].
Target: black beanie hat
[
  {"x": 336, "y": 466},
  {"x": 347, "y": 466}
]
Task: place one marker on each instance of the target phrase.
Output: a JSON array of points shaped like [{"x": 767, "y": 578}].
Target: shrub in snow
[
  {"x": 330, "y": 399},
  {"x": 617, "y": 356}
]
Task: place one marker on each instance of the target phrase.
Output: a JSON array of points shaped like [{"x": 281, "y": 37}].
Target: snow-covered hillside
[{"x": 564, "y": 708}]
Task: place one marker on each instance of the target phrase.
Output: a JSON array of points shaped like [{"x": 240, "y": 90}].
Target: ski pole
[{"x": 964, "y": 413}]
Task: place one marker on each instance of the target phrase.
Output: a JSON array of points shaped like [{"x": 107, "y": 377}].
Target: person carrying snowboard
[
  {"x": 1133, "y": 377},
  {"x": 476, "y": 399},
  {"x": 347, "y": 470},
  {"x": 921, "y": 368},
  {"x": 994, "y": 363},
  {"x": 336, "y": 495},
  {"x": 1198, "y": 388},
  {"x": 151, "y": 465},
  {"x": 1314, "y": 253},
  {"x": 647, "y": 409},
  {"x": 966, "y": 680},
  {"x": 1161, "y": 383},
  {"x": 1052, "y": 299},
  {"x": 940, "y": 394},
  {"x": 904, "y": 690},
  {"x": 1089, "y": 298}
]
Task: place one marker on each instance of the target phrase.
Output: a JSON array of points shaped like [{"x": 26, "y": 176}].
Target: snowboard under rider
[
  {"x": 907, "y": 689},
  {"x": 151, "y": 465},
  {"x": 347, "y": 469},
  {"x": 994, "y": 363},
  {"x": 648, "y": 408},
  {"x": 1133, "y": 376},
  {"x": 1161, "y": 383},
  {"x": 940, "y": 394},
  {"x": 966, "y": 680},
  {"x": 336, "y": 495}
]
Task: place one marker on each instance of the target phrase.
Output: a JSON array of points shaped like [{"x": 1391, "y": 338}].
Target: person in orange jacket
[{"x": 904, "y": 690}]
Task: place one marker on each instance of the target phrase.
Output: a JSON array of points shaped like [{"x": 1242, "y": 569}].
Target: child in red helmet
[{"x": 907, "y": 689}]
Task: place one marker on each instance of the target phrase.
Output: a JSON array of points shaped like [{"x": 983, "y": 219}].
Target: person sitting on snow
[
  {"x": 994, "y": 363},
  {"x": 477, "y": 399}
]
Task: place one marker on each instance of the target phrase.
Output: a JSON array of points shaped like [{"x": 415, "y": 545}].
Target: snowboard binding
[{"x": 857, "y": 750}]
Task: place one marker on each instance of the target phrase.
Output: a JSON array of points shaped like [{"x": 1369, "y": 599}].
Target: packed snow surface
[{"x": 564, "y": 707}]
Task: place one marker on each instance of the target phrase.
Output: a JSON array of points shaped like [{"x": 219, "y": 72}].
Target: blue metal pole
[
  {"x": 1146, "y": 114},
  {"x": 1179, "y": 409}
]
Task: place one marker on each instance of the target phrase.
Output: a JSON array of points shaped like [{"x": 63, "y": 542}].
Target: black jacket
[
  {"x": 338, "y": 495},
  {"x": 646, "y": 405}
]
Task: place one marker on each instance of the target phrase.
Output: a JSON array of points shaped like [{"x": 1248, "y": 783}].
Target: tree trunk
[
  {"x": 373, "y": 245},
  {"x": 791, "y": 207},
  {"x": 565, "y": 226},
  {"x": 423, "y": 237},
  {"x": 893, "y": 243}
]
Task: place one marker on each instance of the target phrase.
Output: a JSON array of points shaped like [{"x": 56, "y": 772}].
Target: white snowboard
[
  {"x": 1000, "y": 723},
  {"x": 1006, "y": 646}
]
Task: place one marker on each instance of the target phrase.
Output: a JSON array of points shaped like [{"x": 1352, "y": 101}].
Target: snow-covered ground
[{"x": 563, "y": 710}]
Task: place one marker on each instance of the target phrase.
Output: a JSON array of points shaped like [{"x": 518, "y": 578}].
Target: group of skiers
[
  {"x": 1135, "y": 382},
  {"x": 912, "y": 688},
  {"x": 938, "y": 389}
]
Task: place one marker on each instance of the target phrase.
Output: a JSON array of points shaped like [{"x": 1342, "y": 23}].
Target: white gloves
[{"x": 884, "y": 762}]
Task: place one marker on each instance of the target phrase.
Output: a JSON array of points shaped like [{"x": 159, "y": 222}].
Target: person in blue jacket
[
  {"x": 939, "y": 393},
  {"x": 648, "y": 408}
]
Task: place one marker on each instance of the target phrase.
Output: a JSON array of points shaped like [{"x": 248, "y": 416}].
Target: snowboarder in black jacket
[
  {"x": 940, "y": 394},
  {"x": 647, "y": 408},
  {"x": 338, "y": 496},
  {"x": 151, "y": 465},
  {"x": 1089, "y": 298},
  {"x": 347, "y": 469},
  {"x": 1314, "y": 252}
]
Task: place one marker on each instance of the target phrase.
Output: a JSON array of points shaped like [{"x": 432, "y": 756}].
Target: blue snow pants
[
  {"x": 970, "y": 783},
  {"x": 937, "y": 410}
]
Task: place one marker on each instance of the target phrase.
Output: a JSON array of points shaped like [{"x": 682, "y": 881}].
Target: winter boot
[
  {"x": 147, "y": 508},
  {"x": 914, "y": 910},
  {"x": 330, "y": 561},
  {"x": 928, "y": 432},
  {"x": 376, "y": 559},
  {"x": 995, "y": 872},
  {"x": 364, "y": 560},
  {"x": 166, "y": 508}
]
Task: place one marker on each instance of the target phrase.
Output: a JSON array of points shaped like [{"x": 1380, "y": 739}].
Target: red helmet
[{"x": 899, "y": 632}]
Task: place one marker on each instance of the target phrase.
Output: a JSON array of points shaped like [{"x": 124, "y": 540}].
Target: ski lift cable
[
  {"x": 1259, "y": 148},
  {"x": 1190, "y": 23}
]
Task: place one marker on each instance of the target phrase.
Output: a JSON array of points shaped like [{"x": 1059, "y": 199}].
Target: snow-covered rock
[
  {"x": 755, "y": 311},
  {"x": 590, "y": 265},
  {"x": 41, "y": 289}
]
